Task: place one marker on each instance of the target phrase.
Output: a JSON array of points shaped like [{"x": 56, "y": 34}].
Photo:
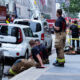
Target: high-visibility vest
[{"x": 7, "y": 21}]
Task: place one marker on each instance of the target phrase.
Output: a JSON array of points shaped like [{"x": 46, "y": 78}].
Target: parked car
[
  {"x": 15, "y": 39},
  {"x": 40, "y": 28}
]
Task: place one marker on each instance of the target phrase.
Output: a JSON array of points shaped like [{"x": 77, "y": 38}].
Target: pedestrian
[
  {"x": 21, "y": 65},
  {"x": 7, "y": 20},
  {"x": 75, "y": 34},
  {"x": 36, "y": 53},
  {"x": 43, "y": 51},
  {"x": 60, "y": 37}
]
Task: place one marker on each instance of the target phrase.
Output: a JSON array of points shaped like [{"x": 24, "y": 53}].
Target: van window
[
  {"x": 28, "y": 32},
  {"x": 36, "y": 27},
  {"x": 23, "y": 23}
]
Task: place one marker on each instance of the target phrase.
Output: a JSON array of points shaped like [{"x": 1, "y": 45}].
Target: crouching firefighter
[
  {"x": 60, "y": 33},
  {"x": 21, "y": 65}
]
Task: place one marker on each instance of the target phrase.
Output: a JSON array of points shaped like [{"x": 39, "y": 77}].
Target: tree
[{"x": 73, "y": 8}]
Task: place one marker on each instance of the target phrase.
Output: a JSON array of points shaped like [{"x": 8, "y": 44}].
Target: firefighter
[
  {"x": 43, "y": 51},
  {"x": 21, "y": 65},
  {"x": 36, "y": 53},
  {"x": 75, "y": 33},
  {"x": 60, "y": 33}
]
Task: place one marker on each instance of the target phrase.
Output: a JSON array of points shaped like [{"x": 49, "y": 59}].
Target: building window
[
  {"x": 18, "y": 11},
  {"x": 17, "y": 1}
]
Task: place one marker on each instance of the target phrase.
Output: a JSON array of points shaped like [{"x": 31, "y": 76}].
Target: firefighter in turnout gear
[
  {"x": 75, "y": 33},
  {"x": 21, "y": 65},
  {"x": 60, "y": 33}
]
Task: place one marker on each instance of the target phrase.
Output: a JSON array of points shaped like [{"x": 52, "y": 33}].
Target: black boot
[{"x": 58, "y": 64}]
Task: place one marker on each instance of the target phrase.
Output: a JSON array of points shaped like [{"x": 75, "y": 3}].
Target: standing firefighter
[
  {"x": 60, "y": 33},
  {"x": 75, "y": 34}
]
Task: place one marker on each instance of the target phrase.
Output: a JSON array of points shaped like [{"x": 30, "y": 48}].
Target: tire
[{"x": 26, "y": 54}]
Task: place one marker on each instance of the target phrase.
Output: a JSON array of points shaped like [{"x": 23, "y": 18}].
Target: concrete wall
[
  {"x": 24, "y": 6},
  {"x": 48, "y": 8},
  {"x": 53, "y": 10}
]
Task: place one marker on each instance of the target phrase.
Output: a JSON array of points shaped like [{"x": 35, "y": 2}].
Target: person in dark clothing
[
  {"x": 60, "y": 38},
  {"x": 36, "y": 53},
  {"x": 75, "y": 33},
  {"x": 43, "y": 51}
]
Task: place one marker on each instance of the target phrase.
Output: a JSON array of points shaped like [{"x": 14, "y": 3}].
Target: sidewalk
[{"x": 71, "y": 71}]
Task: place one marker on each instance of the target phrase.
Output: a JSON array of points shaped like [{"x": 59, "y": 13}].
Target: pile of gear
[{"x": 71, "y": 51}]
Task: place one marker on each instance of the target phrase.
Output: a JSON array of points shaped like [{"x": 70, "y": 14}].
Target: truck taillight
[
  {"x": 42, "y": 36},
  {"x": 20, "y": 36}
]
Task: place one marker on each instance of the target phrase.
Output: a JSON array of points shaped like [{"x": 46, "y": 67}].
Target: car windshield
[
  {"x": 28, "y": 32},
  {"x": 8, "y": 32},
  {"x": 23, "y": 23}
]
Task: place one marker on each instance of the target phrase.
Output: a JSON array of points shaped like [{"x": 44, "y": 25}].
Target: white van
[
  {"x": 15, "y": 39},
  {"x": 40, "y": 29}
]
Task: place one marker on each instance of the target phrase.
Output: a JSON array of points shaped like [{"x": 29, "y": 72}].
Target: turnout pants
[
  {"x": 21, "y": 65},
  {"x": 73, "y": 41},
  {"x": 59, "y": 45}
]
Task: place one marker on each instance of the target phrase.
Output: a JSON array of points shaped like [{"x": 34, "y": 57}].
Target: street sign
[{"x": 60, "y": 1}]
